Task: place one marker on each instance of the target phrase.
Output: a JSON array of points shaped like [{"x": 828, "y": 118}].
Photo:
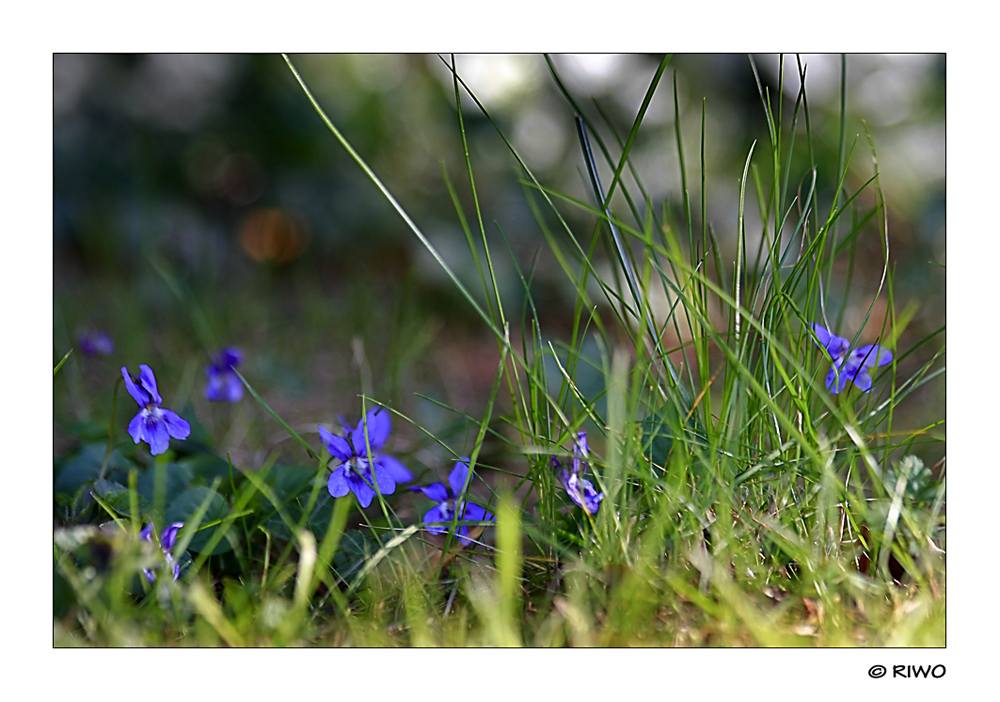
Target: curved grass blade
[
  {"x": 279, "y": 420},
  {"x": 392, "y": 200}
]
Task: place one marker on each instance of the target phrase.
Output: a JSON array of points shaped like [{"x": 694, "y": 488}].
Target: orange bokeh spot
[{"x": 273, "y": 235}]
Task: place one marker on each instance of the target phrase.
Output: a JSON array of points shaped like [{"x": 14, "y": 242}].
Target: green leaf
[
  {"x": 187, "y": 503},
  {"x": 118, "y": 500},
  {"x": 356, "y": 547},
  {"x": 206, "y": 467},
  {"x": 919, "y": 486},
  {"x": 318, "y": 520},
  {"x": 89, "y": 430},
  {"x": 289, "y": 481},
  {"x": 82, "y": 468},
  {"x": 102, "y": 486},
  {"x": 178, "y": 480}
]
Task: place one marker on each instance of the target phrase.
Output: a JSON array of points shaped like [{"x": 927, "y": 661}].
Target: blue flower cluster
[
  {"x": 95, "y": 343},
  {"x": 451, "y": 503},
  {"x": 849, "y": 366},
  {"x": 360, "y": 469},
  {"x": 223, "y": 384},
  {"x": 363, "y": 468},
  {"x": 168, "y": 537},
  {"x": 579, "y": 490},
  {"x": 153, "y": 424}
]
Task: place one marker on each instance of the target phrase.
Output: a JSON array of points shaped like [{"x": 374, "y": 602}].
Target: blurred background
[{"x": 200, "y": 202}]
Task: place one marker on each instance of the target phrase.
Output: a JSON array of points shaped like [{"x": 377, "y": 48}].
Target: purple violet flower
[
  {"x": 355, "y": 473},
  {"x": 223, "y": 384},
  {"x": 168, "y": 537},
  {"x": 581, "y": 491},
  {"x": 153, "y": 424},
  {"x": 95, "y": 343},
  {"x": 849, "y": 366},
  {"x": 449, "y": 501}
]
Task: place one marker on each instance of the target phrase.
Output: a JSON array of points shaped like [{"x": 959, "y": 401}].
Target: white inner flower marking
[{"x": 448, "y": 508}]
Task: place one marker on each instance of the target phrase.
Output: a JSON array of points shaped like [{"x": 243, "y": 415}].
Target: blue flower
[
  {"x": 95, "y": 343},
  {"x": 450, "y": 501},
  {"x": 849, "y": 366},
  {"x": 153, "y": 424},
  {"x": 168, "y": 537},
  {"x": 355, "y": 473},
  {"x": 223, "y": 384},
  {"x": 581, "y": 491}
]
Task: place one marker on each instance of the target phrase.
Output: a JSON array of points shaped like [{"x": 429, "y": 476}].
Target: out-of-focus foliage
[
  {"x": 209, "y": 153},
  {"x": 216, "y": 166}
]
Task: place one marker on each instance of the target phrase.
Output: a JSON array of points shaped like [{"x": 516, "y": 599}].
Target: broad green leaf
[
  {"x": 186, "y": 504},
  {"x": 178, "y": 480}
]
